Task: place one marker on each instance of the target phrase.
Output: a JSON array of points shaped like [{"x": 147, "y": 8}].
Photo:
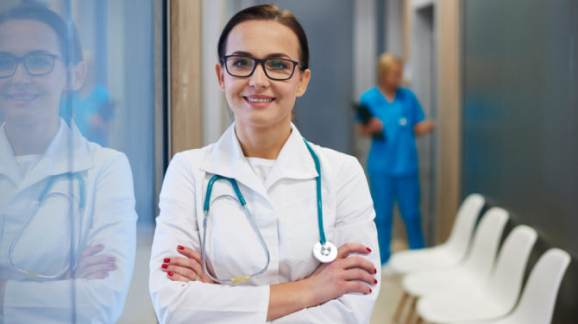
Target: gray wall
[
  {"x": 520, "y": 124},
  {"x": 324, "y": 114}
]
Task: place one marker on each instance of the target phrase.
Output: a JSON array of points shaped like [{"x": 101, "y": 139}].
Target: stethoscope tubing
[
  {"x": 243, "y": 203},
  {"x": 32, "y": 210}
]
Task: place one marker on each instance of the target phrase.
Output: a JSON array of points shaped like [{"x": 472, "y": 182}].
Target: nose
[
  {"x": 259, "y": 79},
  {"x": 21, "y": 76}
]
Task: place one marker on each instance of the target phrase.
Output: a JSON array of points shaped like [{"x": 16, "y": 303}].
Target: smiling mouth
[{"x": 259, "y": 100}]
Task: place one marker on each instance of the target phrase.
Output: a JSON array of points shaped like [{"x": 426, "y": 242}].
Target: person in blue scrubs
[{"x": 397, "y": 118}]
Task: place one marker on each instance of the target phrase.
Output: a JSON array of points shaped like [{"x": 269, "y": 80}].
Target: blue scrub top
[{"x": 397, "y": 155}]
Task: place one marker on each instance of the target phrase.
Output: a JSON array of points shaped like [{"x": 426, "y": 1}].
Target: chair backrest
[
  {"x": 539, "y": 297},
  {"x": 464, "y": 224},
  {"x": 506, "y": 279},
  {"x": 482, "y": 254}
]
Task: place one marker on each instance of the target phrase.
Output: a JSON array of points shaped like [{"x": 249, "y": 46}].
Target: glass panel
[{"x": 77, "y": 160}]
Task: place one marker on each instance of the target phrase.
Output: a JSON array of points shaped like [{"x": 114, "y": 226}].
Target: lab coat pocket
[
  {"x": 233, "y": 245},
  {"x": 299, "y": 231},
  {"x": 39, "y": 241}
]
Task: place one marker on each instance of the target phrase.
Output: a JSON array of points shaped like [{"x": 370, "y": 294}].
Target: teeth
[{"x": 259, "y": 100}]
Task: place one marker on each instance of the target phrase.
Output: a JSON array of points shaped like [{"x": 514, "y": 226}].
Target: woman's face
[
  {"x": 262, "y": 39},
  {"x": 25, "y": 98},
  {"x": 393, "y": 77}
]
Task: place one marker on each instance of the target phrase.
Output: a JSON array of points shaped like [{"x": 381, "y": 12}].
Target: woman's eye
[
  {"x": 242, "y": 62},
  {"x": 278, "y": 64},
  {"x": 38, "y": 61}
]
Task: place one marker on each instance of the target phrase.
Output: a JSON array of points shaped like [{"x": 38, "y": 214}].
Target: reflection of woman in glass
[
  {"x": 392, "y": 161},
  {"x": 263, "y": 68},
  {"x": 70, "y": 256}
]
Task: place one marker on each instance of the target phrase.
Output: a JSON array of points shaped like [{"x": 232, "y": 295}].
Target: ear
[
  {"x": 303, "y": 82},
  {"x": 220, "y": 76},
  {"x": 78, "y": 75}
]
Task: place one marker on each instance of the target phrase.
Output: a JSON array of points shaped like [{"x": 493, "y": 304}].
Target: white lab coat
[
  {"x": 109, "y": 218},
  {"x": 285, "y": 209}
]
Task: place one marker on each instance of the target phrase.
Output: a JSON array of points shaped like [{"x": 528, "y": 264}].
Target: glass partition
[{"x": 78, "y": 100}]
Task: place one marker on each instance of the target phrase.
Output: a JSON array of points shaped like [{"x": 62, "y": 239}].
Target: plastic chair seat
[
  {"x": 449, "y": 253},
  {"x": 455, "y": 279},
  {"x": 465, "y": 306}
]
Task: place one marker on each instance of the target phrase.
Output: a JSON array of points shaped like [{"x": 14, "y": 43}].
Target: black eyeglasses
[
  {"x": 277, "y": 69},
  {"x": 35, "y": 64}
]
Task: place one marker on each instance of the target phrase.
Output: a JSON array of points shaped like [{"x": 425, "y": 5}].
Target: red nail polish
[
  {"x": 374, "y": 281},
  {"x": 370, "y": 290},
  {"x": 368, "y": 250},
  {"x": 111, "y": 259},
  {"x": 374, "y": 271},
  {"x": 164, "y": 266},
  {"x": 167, "y": 260},
  {"x": 170, "y": 273},
  {"x": 180, "y": 247}
]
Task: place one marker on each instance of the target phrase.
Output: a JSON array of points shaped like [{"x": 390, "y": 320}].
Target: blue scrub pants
[{"x": 386, "y": 190}]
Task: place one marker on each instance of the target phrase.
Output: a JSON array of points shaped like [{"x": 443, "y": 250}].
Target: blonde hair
[{"x": 385, "y": 62}]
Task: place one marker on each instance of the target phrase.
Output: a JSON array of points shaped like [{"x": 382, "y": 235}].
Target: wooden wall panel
[{"x": 185, "y": 75}]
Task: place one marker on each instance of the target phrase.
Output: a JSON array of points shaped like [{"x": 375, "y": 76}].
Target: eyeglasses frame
[
  {"x": 22, "y": 59},
  {"x": 262, "y": 62}
]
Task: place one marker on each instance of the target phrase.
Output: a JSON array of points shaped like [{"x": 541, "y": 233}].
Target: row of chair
[{"x": 466, "y": 280}]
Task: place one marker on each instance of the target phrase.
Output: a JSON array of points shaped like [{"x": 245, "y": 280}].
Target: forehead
[
  {"x": 22, "y": 36},
  {"x": 263, "y": 37}
]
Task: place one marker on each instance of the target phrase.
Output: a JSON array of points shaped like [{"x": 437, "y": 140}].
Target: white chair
[
  {"x": 537, "y": 303},
  {"x": 449, "y": 253},
  {"x": 496, "y": 297},
  {"x": 469, "y": 274}
]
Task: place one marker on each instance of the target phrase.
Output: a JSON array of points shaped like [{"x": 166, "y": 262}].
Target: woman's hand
[
  {"x": 93, "y": 266},
  {"x": 374, "y": 126},
  {"x": 346, "y": 274},
  {"x": 188, "y": 268},
  {"x": 424, "y": 127}
]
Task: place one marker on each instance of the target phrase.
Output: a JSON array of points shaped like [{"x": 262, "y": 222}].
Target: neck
[
  {"x": 265, "y": 143},
  {"x": 30, "y": 138},
  {"x": 388, "y": 91}
]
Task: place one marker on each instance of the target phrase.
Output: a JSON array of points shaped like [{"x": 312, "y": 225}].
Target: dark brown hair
[
  {"x": 52, "y": 19},
  {"x": 267, "y": 12}
]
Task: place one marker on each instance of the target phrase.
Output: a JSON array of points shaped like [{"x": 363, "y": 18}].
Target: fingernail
[
  {"x": 164, "y": 266},
  {"x": 170, "y": 273},
  {"x": 374, "y": 281},
  {"x": 167, "y": 260},
  {"x": 100, "y": 246},
  {"x": 180, "y": 247},
  {"x": 370, "y": 290},
  {"x": 374, "y": 271},
  {"x": 111, "y": 265},
  {"x": 368, "y": 250},
  {"x": 111, "y": 259}
]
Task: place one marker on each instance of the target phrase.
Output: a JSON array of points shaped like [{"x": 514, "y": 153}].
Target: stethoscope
[
  {"x": 44, "y": 194},
  {"x": 324, "y": 251}
]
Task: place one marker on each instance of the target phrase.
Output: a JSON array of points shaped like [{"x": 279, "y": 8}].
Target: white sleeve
[
  {"x": 99, "y": 300},
  {"x": 193, "y": 302},
  {"x": 354, "y": 223}
]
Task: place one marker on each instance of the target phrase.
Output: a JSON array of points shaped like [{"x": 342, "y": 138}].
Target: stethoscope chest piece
[{"x": 325, "y": 253}]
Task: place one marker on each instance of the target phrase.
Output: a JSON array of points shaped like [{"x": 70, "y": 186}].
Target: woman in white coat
[
  {"x": 67, "y": 218},
  {"x": 262, "y": 70}
]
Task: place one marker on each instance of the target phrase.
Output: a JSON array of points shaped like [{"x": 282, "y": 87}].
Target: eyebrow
[{"x": 272, "y": 55}]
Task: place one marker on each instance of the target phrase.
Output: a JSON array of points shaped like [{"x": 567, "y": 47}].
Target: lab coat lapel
[
  {"x": 8, "y": 165},
  {"x": 294, "y": 161},
  {"x": 68, "y": 152},
  {"x": 227, "y": 159}
]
